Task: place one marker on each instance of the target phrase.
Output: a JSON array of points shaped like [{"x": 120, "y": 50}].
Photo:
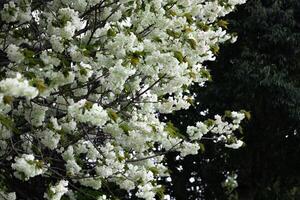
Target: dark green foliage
[{"x": 261, "y": 74}]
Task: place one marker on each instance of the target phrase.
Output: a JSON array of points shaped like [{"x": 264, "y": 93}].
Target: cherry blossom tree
[{"x": 82, "y": 86}]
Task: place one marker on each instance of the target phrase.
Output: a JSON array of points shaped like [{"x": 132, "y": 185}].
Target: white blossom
[
  {"x": 57, "y": 191},
  {"x": 14, "y": 53},
  {"x": 27, "y": 167},
  {"x": 235, "y": 145},
  {"x": 17, "y": 87},
  {"x": 83, "y": 90},
  {"x": 94, "y": 115},
  {"x": 7, "y": 195}
]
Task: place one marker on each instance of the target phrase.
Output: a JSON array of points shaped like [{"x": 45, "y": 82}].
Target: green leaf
[
  {"x": 160, "y": 192},
  {"x": 189, "y": 18},
  {"x": 205, "y": 74},
  {"x": 87, "y": 52},
  {"x": 88, "y": 105},
  {"x": 111, "y": 33},
  {"x": 172, "y": 130},
  {"x": 8, "y": 99},
  {"x": 39, "y": 84},
  {"x": 125, "y": 128},
  {"x": 128, "y": 12},
  {"x": 138, "y": 54},
  {"x": 83, "y": 72},
  {"x": 135, "y": 57},
  {"x": 8, "y": 123},
  {"x": 171, "y": 13},
  {"x": 187, "y": 30},
  {"x": 228, "y": 114},
  {"x": 192, "y": 43},
  {"x": 65, "y": 72},
  {"x": 247, "y": 114},
  {"x": 209, "y": 122},
  {"x": 157, "y": 39},
  {"x": 223, "y": 23},
  {"x": 28, "y": 53},
  {"x": 191, "y": 101},
  {"x": 30, "y": 75},
  {"x": 192, "y": 75},
  {"x": 241, "y": 130},
  {"x": 202, "y": 147},
  {"x": 178, "y": 55},
  {"x": 173, "y": 33},
  {"x": 154, "y": 170},
  {"x": 112, "y": 115},
  {"x": 202, "y": 26},
  {"x": 215, "y": 49},
  {"x": 134, "y": 60}
]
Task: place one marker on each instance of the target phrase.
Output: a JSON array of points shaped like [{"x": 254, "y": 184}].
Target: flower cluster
[
  {"x": 86, "y": 81},
  {"x": 27, "y": 166},
  {"x": 17, "y": 87},
  {"x": 57, "y": 191}
]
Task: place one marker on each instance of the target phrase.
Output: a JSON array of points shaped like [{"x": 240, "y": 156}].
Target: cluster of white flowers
[
  {"x": 11, "y": 12},
  {"x": 87, "y": 81},
  {"x": 7, "y": 195},
  {"x": 196, "y": 132},
  {"x": 57, "y": 191},
  {"x": 222, "y": 129},
  {"x": 83, "y": 112},
  {"x": 49, "y": 138},
  {"x": 27, "y": 167},
  {"x": 17, "y": 87},
  {"x": 230, "y": 182},
  {"x": 14, "y": 54}
]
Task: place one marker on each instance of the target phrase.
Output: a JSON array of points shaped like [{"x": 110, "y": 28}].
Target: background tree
[{"x": 261, "y": 74}]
